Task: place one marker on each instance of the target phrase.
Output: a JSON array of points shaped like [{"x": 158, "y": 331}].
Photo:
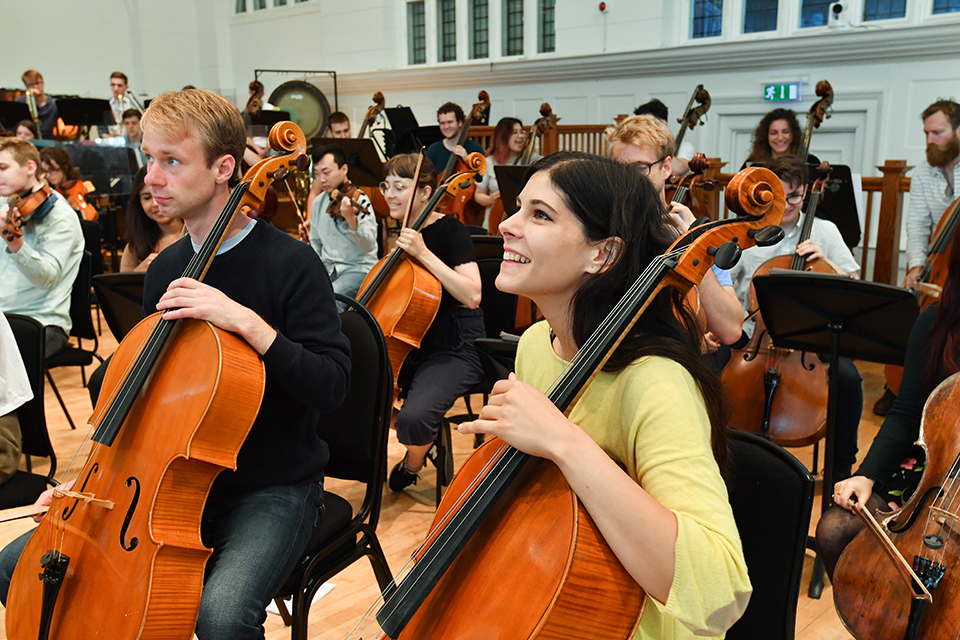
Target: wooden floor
[{"x": 406, "y": 517}]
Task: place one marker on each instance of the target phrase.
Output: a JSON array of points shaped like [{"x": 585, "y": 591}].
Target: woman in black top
[
  {"x": 446, "y": 365},
  {"x": 778, "y": 134},
  {"x": 891, "y": 470}
]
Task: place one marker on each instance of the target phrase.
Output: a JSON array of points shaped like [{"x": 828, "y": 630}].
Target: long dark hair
[
  {"x": 613, "y": 200},
  {"x": 500, "y": 141},
  {"x": 142, "y": 233},
  {"x": 944, "y": 342},
  {"x": 761, "y": 136}
]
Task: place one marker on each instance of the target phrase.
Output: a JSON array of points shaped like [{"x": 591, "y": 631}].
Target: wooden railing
[{"x": 891, "y": 186}]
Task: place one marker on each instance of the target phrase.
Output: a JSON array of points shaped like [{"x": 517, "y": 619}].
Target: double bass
[
  {"x": 877, "y": 598},
  {"x": 380, "y": 208},
  {"x": 510, "y": 525},
  {"x": 693, "y": 114},
  {"x": 462, "y": 205},
  {"x": 120, "y": 555}
]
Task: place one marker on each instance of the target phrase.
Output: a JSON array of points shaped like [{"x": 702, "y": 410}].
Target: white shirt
[
  {"x": 14, "y": 384},
  {"x": 929, "y": 199}
]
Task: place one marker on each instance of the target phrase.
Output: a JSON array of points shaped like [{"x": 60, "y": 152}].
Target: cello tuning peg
[
  {"x": 303, "y": 162},
  {"x": 766, "y": 236},
  {"x": 726, "y": 255}
]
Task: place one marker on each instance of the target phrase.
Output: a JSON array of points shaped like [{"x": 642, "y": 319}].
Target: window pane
[
  {"x": 884, "y": 9},
  {"x": 279, "y": 3},
  {"x": 259, "y": 4},
  {"x": 548, "y": 28},
  {"x": 479, "y": 29},
  {"x": 513, "y": 42},
  {"x": 707, "y": 18},
  {"x": 241, "y": 6},
  {"x": 416, "y": 33},
  {"x": 813, "y": 13},
  {"x": 447, "y": 13},
  {"x": 299, "y": 1},
  {"x": 946, "y": 6},
  {"x": 759, "y": 15}
]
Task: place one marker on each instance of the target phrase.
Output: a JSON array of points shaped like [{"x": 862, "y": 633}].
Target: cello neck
[{"x": 798, "y": 261}]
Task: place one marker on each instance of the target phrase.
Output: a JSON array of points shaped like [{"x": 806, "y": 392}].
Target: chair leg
[
  {"x": 284, "y": 612},
  {"x": 63, "y": 406},
  {"x": 816, "y": 457}
]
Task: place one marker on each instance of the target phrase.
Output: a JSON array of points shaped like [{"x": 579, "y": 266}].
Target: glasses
[
  {"x": 794, "y": 198},
  {"x": 645, "y": 167},
  {"x": 397, "y": 188},
  {"x": 51, "y": 169}
]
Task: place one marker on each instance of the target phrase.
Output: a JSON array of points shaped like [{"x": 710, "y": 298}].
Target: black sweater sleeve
[{"x": 901, "y": 426}]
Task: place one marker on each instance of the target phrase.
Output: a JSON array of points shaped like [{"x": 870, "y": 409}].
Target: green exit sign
[{"x": 786, "y": 92}]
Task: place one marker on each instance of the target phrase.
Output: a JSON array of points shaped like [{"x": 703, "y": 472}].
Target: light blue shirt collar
[{"x": 230, "y": 243}]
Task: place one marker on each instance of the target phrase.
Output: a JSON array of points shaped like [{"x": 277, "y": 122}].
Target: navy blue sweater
[{"x": 307, "y": 366}]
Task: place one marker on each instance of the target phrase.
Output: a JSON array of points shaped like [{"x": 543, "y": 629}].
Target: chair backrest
[
  {"x": 33, "y": 420},
  {"x": 121, "y": 300},
  {"x": 771, "y": 493},
  {"x": 92, "y": 241},
  {"x": 499, "y": 308},
  {"x": 357, "y": 431},
  {"x": 80, "y": 301},
  {"x": 487, "y": 246}
]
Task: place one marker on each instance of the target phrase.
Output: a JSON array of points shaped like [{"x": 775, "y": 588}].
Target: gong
[{"x": 307, "y": 105}]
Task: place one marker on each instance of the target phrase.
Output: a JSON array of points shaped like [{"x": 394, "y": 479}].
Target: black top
[
  {"x": 901, "y": 426},
  {"x": 450, "y": 241},
  {"x": 308, "y": 364},
  {"x": 438, "y": 154},
  {"x": 812, "y": 160}
]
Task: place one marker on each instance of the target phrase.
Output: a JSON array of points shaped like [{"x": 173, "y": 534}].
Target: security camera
[{"x": 837, "y": 15}]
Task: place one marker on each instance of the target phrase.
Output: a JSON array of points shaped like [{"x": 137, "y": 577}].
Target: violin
[
  {"x": 693, "y": 115},
  {"x": 121, "y": 553},
  {"x": 403, "y": 295},
  {"x": 463, "y": 206},
  {"x": 74, "y": 192},
  {"x": 878, "y": 599},
  {"x": 510, "y": 524},
  {"x": 780, "y": 394},
  {"x": 23, "y": 208},
  {"x": 818, "y": 112},
  {"x": 347, "y": 190}
]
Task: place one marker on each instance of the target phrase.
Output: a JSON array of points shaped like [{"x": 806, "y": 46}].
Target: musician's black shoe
[
  {"x": 882, "y": 406},
  {"x": 401, "y": 477}
]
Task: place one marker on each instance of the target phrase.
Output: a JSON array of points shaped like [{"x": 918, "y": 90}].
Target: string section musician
[
  {"x": 343, "y": 232},
  {"x": 451, "y": 120},
  {"x": 272, "y": 292}
]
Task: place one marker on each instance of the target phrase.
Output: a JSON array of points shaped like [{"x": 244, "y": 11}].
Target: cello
[
  {"x": 462, "y": 205},
  {"x": 403, "y": 295},
  {"x": 120, "y": 554},
  {"x": 509, "y": 517},
  {"x": 872, "y": 597},
  {"x": 693, "y": 114},
  {"x": 780, "y": 394}
]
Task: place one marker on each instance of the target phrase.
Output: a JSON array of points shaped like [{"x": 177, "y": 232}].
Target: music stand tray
[
  {"x": 121, "y": 299},
  {"x": 11, "y": 113},
  {"x": 838, "y": 204},
  {"x": 510, "y": 178},
  {"x": 85, "y": 112},
  {"x": 839, "y": 316},
  {"x": 366, "y": 170},
  {"x": 268, "y": 118}
]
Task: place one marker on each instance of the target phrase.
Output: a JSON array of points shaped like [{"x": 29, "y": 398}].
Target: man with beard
[{"x": 934, "y": 182}]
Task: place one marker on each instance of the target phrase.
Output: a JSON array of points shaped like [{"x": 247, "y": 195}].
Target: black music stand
[
  {"x": 268, "y": 118},
  {"x": 510, "y": 178},
  {"x": 366, "y": 170},
  {"x": 838, "y": 203},
  {"x": 839, "y": 316},
  {"x": 85, "y": 112},
  {"x": 402, "y": 125},
  {"x": 121, "y": 299},
  {"x": 12, "y": 113}
]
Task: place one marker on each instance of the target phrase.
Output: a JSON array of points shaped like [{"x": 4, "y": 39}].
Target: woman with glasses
[
  {"x": 505, "y": 148},
  {"x": 58, "y": 169},
  {"x": 446, "y": 365}
]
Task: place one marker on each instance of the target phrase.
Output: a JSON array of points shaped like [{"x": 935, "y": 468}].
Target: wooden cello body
[
  {"x": 872, "y": 600},
  {"x": 511, "y": 543},
  {"x": 136, "y": 570},
  {"x": 119, "y": 554}
]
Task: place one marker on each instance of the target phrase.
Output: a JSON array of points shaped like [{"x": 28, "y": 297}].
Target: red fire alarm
[{"x": 603, "y": 7}]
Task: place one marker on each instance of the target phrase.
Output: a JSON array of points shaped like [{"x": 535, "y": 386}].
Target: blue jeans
[
  {"x": 348, "y": 283},
  {"x": 257, "y": 537}
]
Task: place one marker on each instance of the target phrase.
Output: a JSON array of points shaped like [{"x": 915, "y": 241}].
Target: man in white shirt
[
  {"x": 934, "y": 182},
  {"x": 120, "y": 101}
]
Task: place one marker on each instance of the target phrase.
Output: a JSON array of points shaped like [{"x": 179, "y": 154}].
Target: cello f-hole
[
  {"x": 126, "y": 520},
  {"x": 69, "y": 510}
]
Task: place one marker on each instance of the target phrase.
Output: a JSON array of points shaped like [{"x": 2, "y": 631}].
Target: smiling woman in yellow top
[{"x": 644, "y": 446}]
